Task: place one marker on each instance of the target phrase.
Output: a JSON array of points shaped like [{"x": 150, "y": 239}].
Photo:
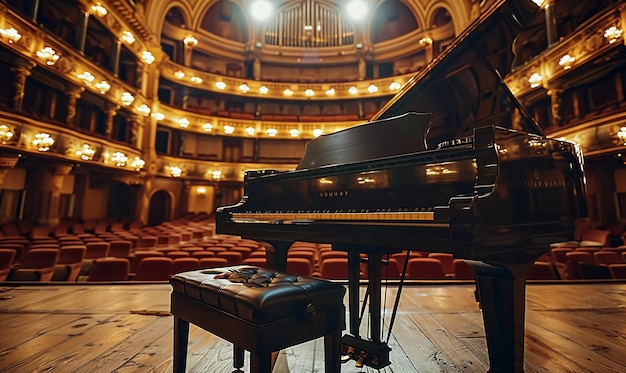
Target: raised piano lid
[
  {"x": 462, "y": 86},
  {"x": 460, "y": 90},
  {"x": 403, "y": 134}
]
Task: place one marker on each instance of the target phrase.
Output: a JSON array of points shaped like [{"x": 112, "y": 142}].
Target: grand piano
[{"x": 453, "y": 163}]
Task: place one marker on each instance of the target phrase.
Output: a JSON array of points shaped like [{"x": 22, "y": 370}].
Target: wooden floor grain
[{"x": 570, "y": 327}]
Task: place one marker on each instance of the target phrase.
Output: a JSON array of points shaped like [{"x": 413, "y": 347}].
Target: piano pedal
[
  {"x": 348, "y": 355},
  {"x": 360, "y": 360}
]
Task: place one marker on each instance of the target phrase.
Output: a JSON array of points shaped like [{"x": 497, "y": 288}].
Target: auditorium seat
[
  {"x": 425, "y": 268},
  {"x": 572, "y": 260},
  {"x": 120, "y": 248},
  {"x": 153, "y": 269},
  {"x": 618, "y": 271},
  {"x": 6, "y": 261},
  {"x": 334, "y": 268},
  {"x": 299, "y": 266},
  {"x": 607, "y": 257},
  {"x": 69, "y": 263},
  {"x": 462, "y": 270},
  {"x": 232, "y": 257},
  {"x": 559, "y": 254},
  {"x": 138, "y": 256},
  {"x": 542, "y": 271},
  {"x": 184, "y": 264},
  {"x": 36, "y": 265},
  {"x": 214, "y": 262},
  {"x": 109, "y": 269},
  {"x": 447, "y": 261}
]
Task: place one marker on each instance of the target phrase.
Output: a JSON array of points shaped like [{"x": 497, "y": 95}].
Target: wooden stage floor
[{"x": 570, "y": 327}]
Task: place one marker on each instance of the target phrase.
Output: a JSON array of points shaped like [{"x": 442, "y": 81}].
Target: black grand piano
[{"x": 453, "y": 163}]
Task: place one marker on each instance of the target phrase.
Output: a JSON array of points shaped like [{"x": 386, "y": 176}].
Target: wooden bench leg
[
  {"x": 181, "y": 338},
  {"x": 332, "y": 352},
  {"x": 238, "y": 357},
  {"x": 261, "y": 362}
]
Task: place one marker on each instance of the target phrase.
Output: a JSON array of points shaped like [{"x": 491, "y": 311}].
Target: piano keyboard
[{"x": 372, "y": 216}]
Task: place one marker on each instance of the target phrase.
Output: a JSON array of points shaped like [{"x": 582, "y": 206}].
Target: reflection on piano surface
[{"x": 452, "y": 164}]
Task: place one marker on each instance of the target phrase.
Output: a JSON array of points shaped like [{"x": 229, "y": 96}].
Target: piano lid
[{"x": 463, "y": 87}]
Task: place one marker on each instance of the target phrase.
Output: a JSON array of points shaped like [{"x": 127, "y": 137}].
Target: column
[
  {"x": 110, "y": 111},
  {"x": 7, "y": 161},
  {"x": 81, "y": 36},
  {"x": 256, "y": 68},
  {"x": 551, "y": 28},
  {"x": 115, "y": 57},
  {"x": 21, "y": 72},
  {"x": 556, "y": 98},
  {"x": 72, "y": 97},
  {"x": 57, "y": 174},
  {"x": 35, "y": 10},
  {"x": 136, "y": 130},
  {"x": 362, "y": 71}
]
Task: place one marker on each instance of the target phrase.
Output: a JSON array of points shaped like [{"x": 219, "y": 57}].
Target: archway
[{"x": 159, "y": 211}]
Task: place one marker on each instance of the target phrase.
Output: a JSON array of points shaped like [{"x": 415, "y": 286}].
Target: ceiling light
[
  {"x": 207, "y": 127},
  {"x": 6, "y": 134},
  {"x": 99, "y": 9},
  {"x": 128, "y": 37},
  {"x": 271, "y": 132},
  {"x": 158, "y": 116},
  {"x": 372, "y": 88},
  {"x": 309, "y": 93},
  {"x": 317, "y": 132},
  {"x": 85, "y": 152},
  {"x": 356, "y": 9},
  {"x": 287, "y": 92},
  {"x": 394, "y": 86},
  {"x": 127, "y": 98},
  {"x": 138, "y": 164},
  {"x": 183, "y": 123},
  {"x": 43, "y": 142},
  {"x": 535, "y": 80},
  {"x": 263, "y": 90},
  {"x": 261, "y": 9},
  {"x": 220, "y": 85},
  {"x": 294, "y": 132},
  {"x": 612, "y": 34},
  {"x": 566, "y": 62},
  {"x": 179, "y": 74},
  {"x": 10, "y": 34},
  {"x": 103, "y": 86},
  {"x": 119, "y": 159},
  {"x": 196, "y": 79},
  {"x": 426, "y": 41},
  {"x": 353, "y": 90},
  {"x": 48, "y": 55},
  {"x": 147, "y": 57},
  {"x": 175, "y": 171},
  {"x": 250, "y": 131},
  {"x": 190, "y": 41},
  {"x": 330, "y": 92},
  {"x": 229, "y": 129},
  {"x": 86, "y": 77},
  {"x": 144, "y": 109},
  {"x": 244, "y": 88}
]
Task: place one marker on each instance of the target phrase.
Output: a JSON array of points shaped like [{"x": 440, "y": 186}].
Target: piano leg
[
  {"x": 354, "y": 275},
  {"x": 276, "y": 254},
  {"x": 502, "y": 296}
]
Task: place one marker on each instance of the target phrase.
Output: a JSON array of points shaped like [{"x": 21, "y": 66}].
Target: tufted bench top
[{"x": 259, "y": 295}]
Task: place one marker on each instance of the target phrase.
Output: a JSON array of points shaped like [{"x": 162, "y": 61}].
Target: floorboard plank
[{"x": 570, "y": 327}]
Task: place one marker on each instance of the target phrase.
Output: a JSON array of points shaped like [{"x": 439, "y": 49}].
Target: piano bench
[{"x": 257, "y": 310}]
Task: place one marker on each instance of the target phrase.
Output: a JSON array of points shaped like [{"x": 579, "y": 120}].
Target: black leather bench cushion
[{"x": 259, "y": 295}]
